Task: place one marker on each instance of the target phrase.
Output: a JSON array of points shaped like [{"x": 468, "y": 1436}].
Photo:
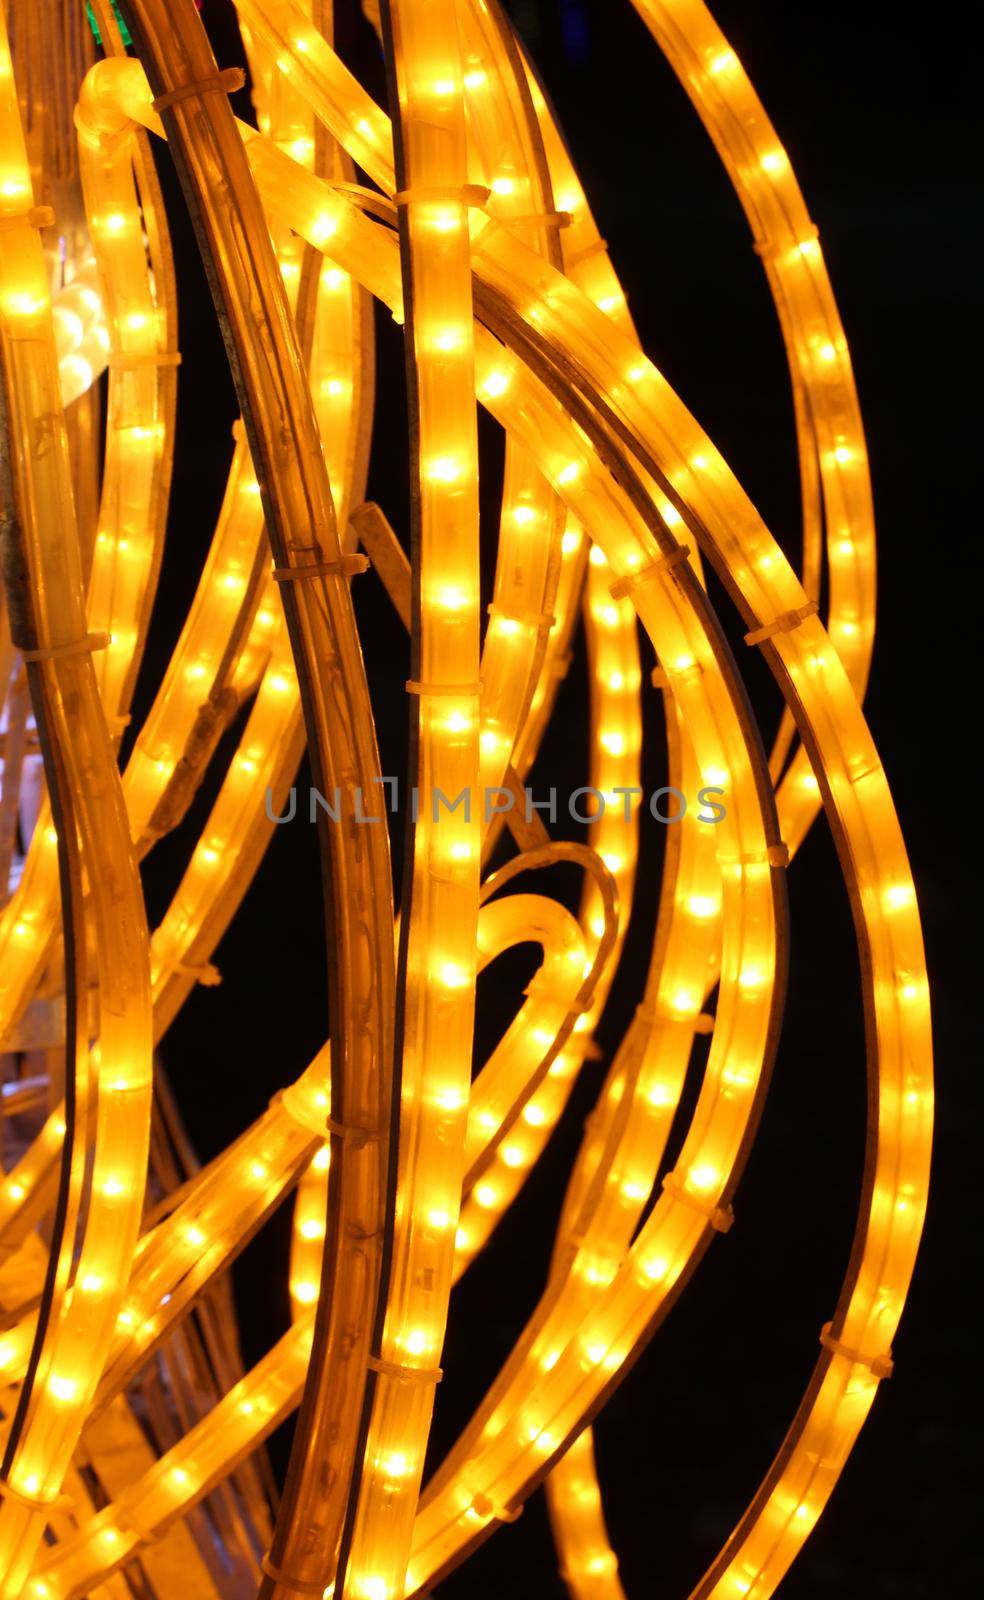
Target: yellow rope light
[{"x": 479, "y": 241}]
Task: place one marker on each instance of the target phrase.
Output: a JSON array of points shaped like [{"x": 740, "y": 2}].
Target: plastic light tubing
[{"x": 479, "y": 240}]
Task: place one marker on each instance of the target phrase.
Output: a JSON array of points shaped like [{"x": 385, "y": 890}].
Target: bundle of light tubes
[{"x": 133, "y": 1433}]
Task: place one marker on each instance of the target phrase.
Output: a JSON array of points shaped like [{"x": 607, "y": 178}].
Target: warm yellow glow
[{"x": 459, "y": 218}]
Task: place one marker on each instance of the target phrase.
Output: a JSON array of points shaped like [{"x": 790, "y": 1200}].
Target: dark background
[{"x": 878, "y": 133}]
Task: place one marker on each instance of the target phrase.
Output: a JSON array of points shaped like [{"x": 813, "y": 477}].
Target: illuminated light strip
[
  {"x": 440, "y": 917},
  {"x": 298, "y": 507},
  {"x": 71, "y": 1339}
]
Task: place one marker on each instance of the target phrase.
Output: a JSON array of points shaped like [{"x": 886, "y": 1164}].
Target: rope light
[{"x": 472, "y": 229}]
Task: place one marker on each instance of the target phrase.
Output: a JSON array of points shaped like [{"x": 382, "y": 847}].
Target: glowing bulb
[
  {"x": 702, "y": 905},
  {"x": 495, "y": 384},
  {"x": 704, "y": 1177},
  {"x": 444, "y": 469}
]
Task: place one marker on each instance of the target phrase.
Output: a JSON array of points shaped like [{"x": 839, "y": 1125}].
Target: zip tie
[
  {"x": 597, "y": 248},
  {"x": 468, "y": 194},
  {"x": 659, "y": 679},
  {"x": 118, "y": 360},
  {"x": 784, "y": 623},
  {"x": 392, "y": 1369},
  {"x": 36, "y": 217},
  {"x": 143, "y": 1534},
  {"x": 225, "y": 82},
  {"x": 349, "y": 1130},
  {"x": 299, "y": 1585},
  {"x": 544, "y": 219},
  {"x": 697, "y": 1022},
  {"x": 775, "y": 855},
  {"x": 560, "y": 665},
  {"x": 572, "y": 1008},
  {"x": 719, "y": 1217},
  {"x": 77, "y": 647},
  {"x": 490, "y": 1512},
  {"x": 365, "y": 199},
  {"x": 203, "y": 972},
  {"x": 413, "y": 687},
  {"x": 769, "y": 250},
  {"x": 35, "y": 1502},
  {"x": 630, "y": 580},
  {"x": 879, "y": 1366},
  {"x": 345, "y": 567},
  {"x": 542, "y": 621}
]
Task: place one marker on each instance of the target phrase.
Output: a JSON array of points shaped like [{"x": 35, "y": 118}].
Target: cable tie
[
  {"x": 203, "y": 972},
  {"x": 784, "y": 623},
  {"x": 544, "y": 219},
  {"x": 490, "y": 1512},
  {"x": 359, "y": 1135},
  {"x": 719, "y": 1217},
  {"x": 366, "y": 199},
  {"x": 77, "y": 647},
  {"x": 774, "y": 855},
  {"x": 467, "y": 194},
  {"x": 542, "y": 621},
  {"x": 697, "y": 1021},
  {"x": 596, "y": 248},
  {"x": 659, "y": 679},
  {"x": 559, "y": 666},
  {"x": 35, "y": 1502},
  {"x": 120, "y": 361},
  {"x": 572, "y": 1008},
  {"x": 349, "y": 566},
  {"x": 426, "y": 689},
  {"x": 35, "y": 217},
  {"x": 768, "y": 249},
  {"x": 630, "y": 580},
  {"x": 879, "y": 1366},
  {"x": 855, "y": 774},
  {"x": 392, "y": 1369},
  {"x": 225, "y": 82},
  {"x": 140, "y": 1531},
  {"x": 299, "y": 1585}
]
